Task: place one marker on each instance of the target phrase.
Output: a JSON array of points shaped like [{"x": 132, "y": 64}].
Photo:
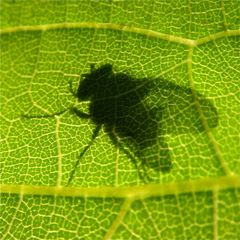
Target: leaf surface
[{"x": 192, "y": 48}]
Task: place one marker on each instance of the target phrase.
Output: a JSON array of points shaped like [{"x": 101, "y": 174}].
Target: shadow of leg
[
  {"x": 94, "y": 136},
  {"x": 141, "y": 171},
  {"x": 44, "y": 116}
]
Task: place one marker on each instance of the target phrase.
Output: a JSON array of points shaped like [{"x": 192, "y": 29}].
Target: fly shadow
[{"x": 137, "y": 113}]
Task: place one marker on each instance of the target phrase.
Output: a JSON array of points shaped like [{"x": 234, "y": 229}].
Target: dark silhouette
[{"x": 137, "y": 113}]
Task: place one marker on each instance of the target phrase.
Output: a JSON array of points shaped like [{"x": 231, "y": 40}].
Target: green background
[{"x": 46, "y": 44}]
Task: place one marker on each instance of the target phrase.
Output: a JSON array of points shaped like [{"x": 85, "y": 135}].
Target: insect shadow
[{"x": 137, "y": 113}]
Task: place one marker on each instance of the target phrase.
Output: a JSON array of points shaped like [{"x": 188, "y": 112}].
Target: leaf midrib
[{"x": 134, "y": 192}]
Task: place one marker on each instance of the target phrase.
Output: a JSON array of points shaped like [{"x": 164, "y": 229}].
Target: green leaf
[{"x": 190, "y": 46}]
